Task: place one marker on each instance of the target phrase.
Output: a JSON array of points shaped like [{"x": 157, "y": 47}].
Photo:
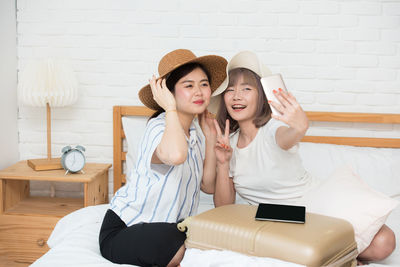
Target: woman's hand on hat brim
[{"x": 161, "y": 94}]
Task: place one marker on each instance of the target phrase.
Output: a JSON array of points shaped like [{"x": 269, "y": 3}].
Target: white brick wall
[
  {"x": 8, "y": 85},
  {"x": 334, "y": 55}
]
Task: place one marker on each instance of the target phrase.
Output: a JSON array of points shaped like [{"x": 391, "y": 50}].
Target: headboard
[{"x": 141, "y": 111}]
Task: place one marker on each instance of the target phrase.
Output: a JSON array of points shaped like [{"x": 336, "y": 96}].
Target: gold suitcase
[{"x": 321, "y": 241}]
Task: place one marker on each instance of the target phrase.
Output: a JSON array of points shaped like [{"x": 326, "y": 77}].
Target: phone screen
[{"x": 281, "y": 213}]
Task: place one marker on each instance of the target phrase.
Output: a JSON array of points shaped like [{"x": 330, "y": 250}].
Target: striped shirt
[{"x": 158, "y": 192}]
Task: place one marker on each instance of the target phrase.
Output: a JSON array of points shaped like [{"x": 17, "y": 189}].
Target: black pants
[{"x": 143, "y": 244}]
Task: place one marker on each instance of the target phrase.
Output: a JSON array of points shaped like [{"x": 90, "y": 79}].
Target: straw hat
[
  {"x": 244, "y": 59},
  {"x": 215, "y": 66}
]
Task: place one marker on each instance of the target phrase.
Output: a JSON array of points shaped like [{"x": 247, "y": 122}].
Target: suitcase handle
[{"x": 183, "y": 226}]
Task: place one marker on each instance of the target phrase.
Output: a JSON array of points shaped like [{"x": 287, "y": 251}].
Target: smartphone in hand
[{"x": 270, "y": 83}]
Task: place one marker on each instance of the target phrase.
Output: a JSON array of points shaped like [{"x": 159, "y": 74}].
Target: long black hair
[{"x": 176, "y": 75}]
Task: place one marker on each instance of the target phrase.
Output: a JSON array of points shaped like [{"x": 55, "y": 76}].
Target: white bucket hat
[{"x": 243, "y": 59}]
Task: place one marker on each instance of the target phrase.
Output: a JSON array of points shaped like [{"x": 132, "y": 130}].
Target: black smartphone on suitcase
[{"x": 281, "y": 213}]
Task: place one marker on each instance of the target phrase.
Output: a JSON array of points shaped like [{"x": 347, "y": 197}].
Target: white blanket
[
  {"x": 211, "y": 258},
  {"x": 74, "y": 242}
]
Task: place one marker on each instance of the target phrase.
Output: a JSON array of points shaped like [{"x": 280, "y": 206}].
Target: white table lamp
[{"x": 47, "y": 83}]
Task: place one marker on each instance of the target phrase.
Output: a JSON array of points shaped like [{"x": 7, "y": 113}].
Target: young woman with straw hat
[{"x": 175, "y": 160}]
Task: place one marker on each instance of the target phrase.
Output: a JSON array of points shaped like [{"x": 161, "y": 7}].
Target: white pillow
[
  {"x": 134, "y": 128},
  {"x": 378, "y": 167},
  {"x": 345, "y": 195}
]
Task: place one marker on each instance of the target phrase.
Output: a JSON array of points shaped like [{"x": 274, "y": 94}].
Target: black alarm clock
[{"x": 73, "y": 159}]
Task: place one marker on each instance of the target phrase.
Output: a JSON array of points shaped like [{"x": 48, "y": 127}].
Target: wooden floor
[{"x": 6, "y": 262}]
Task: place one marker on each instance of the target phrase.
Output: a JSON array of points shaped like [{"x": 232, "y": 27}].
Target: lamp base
[{"x": 45, "y": 164}]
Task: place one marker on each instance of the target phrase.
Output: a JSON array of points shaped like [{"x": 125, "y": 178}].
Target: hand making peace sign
[{"x": 223, "y": 150}]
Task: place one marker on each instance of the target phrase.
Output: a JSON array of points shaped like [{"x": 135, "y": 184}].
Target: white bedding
[{"x": 74, "y": 241}]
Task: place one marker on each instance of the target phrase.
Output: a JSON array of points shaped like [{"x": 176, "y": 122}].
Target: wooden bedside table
[{"x": 27, "y": 221}]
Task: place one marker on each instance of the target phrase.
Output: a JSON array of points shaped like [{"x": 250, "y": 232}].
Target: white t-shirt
[
  {"x": 265, "y": 173},
  {"x": 158, "y": 192}
]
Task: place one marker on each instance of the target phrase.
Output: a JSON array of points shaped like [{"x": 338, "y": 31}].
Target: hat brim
[
  {"x": 214, "y": 65},
  {"x": 243, "y": 59}
]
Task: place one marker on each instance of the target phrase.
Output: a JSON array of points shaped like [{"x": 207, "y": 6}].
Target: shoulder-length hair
[{"x": 263, "y": 111}]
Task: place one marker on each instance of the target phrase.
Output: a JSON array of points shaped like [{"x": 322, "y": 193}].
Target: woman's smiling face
[
  {"x": 192, "y": 92},
  {"x": 241, "y": 100}
]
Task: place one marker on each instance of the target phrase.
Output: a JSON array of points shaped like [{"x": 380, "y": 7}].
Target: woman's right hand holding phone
[
  {"x": 293, "y": 115},
  {"x": 290, "y": 111}
]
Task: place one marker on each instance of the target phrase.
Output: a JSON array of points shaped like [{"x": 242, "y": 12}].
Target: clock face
[{"x": 74, "y": 161}]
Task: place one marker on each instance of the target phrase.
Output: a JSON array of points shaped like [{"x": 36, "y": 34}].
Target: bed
[{"x": 74, "y": 239}]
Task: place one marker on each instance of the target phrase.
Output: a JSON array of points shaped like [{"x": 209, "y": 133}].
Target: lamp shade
[{"x": 48, "y": 81}]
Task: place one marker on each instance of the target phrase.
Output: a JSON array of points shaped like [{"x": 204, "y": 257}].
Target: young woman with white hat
[
  {"x": 263, "y": 165},
  {"x": 175, "y": 160}
]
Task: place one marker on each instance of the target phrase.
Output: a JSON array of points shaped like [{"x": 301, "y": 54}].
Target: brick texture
[{"x": 334, "y": 55}]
